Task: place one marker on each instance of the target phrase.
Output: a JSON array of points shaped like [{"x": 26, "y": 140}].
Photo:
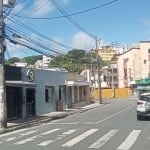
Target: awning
[
  {"x": 77, "y": 83},
  {"x": 143, "y": 88},
  {"x": 20, "y": 83}
]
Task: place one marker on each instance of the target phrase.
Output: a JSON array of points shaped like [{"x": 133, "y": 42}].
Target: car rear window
[{"x": 145, "y": 98}]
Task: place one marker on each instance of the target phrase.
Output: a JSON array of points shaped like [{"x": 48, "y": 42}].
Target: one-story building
[{"x": 31, "y": 91}]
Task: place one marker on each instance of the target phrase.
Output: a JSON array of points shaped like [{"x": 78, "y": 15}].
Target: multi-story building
[
  {"x": 134, "y": 64},
  {"x": 43, "y": 63},
  {"x": 106, "y": 53},
  {"x": 112, "y": 75}
]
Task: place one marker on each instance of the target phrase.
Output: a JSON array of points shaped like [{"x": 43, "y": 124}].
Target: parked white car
[{"x": 143, "y": 106}]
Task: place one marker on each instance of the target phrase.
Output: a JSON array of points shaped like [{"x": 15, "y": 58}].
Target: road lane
[{"x": 112, "y": 127}]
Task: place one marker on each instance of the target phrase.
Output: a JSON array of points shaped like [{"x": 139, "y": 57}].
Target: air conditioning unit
[{"x": 9, "y": 3}]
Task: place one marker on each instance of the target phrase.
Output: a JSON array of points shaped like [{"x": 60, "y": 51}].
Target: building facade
[
  {"x": 31, "y": 91},
  {"x": 78, "y": 89},
  {"x": 35, "y": 91},
  {"x": 134, "y": 64},
  {"x": 106, "y": 53}
]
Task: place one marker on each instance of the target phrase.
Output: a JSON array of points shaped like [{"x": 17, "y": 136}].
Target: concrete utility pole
[
  {"x": 3, "y": 111},
  {"x": 98, "y": 70},
  {"x": 112, "y": 82}
]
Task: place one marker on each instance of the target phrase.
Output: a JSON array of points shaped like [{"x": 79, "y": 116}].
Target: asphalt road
[{"x": 109, "y": 127}]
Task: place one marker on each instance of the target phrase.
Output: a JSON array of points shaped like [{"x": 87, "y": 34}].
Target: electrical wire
[
  {"x": 71, "y": 20},
  {"x": 38, "y": 33},
  {"x": 33, "y": 42},
  {"x": 33, "y": 39},
  {"x": 72, "y": 14},
  {"x": 10, "y": 10},
  {"x": 25, "y": 44},
  {"x": 43, "y": 3}
]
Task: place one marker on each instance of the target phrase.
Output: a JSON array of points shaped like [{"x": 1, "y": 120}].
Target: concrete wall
[
  {"x": 108, "y": 93},
  {"x": 45, "y": 78},
  {"x": 129, "y": 60},
  {"x": 48, "y": 78},
  {"x": 137, "y": 64},
  {"x": 145, "y": 63}
]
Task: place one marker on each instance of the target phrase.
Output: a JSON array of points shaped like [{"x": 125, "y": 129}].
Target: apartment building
[
  {"x": 134, "y": 64},
  {"x": 106, "y": 53}
]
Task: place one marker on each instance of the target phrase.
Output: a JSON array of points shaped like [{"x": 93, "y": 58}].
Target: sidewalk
[{"x": 37, "y": 120}]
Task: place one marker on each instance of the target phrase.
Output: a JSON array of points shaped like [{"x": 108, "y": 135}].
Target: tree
[
  {"x": 32, "y": 59},
  {"x": 75, "y": 60},
  {"x": 72, "y": 61},
  {"x": 13, "y": 60}
]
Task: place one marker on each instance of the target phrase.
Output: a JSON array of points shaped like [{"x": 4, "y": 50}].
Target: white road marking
[
  {"x": 69, "y": 132},
  {"x": 45, "y": 143},
  {"x": 27, "y": 140},
  {"x": 21, "y": 135},
  {"x": 35, "y": 137},
  {"x": 64, "y": 134},
  {"x": 10, "y": 139},
  {"x": 28, "y": 133},
  {"x": 59, "y": 137},
  {"x": 115, "y": 114},
  {"x": 79, "y": 138},
  {"x": 66, "y": 123},
  {"x": 130, "y": 140},
  {"x": 13, "y": 132},
  {"x": 100, "y": 142},
  {"x": 50, "y": 131}
]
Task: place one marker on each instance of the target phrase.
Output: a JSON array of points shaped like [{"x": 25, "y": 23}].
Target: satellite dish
[{"x": 9, "y": 3}]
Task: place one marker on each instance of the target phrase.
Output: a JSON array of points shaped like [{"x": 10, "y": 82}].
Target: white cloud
[
  {"x": 14, "y": 50},
  {"x": 146, "y": 22},
  {"x": 58, "y": 39},
  {"x": 82, "y": 41},
  {"x": 17, "y": 50},
  {"x": 19, "y": 7},
  {"x": 41, "y": 8},
  {"x": 65, "y": 1}
]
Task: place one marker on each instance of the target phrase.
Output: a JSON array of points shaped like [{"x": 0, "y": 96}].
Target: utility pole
[
  {"x": 98, "y": 71},
  {"x": 112, "y": 81},
  {"x": 3, "y": 110}
]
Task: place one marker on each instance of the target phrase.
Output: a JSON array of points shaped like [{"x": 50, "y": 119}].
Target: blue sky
[{"x": 123, "y": 21}]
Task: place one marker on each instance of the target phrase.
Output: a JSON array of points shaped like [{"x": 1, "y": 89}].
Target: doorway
[
  {"x": 14, "y": 102},
  {"x": 30, "y": 102}
]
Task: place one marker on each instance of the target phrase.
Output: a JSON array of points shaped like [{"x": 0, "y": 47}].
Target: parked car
[{"x": 143, "y": 106}]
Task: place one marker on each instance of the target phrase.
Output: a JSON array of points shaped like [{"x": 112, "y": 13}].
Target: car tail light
[{"x": 140, "y": 103}]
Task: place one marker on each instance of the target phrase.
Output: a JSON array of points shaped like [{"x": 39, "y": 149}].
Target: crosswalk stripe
[
  {"x": 13, "y": 132},
  {"x": 28, "y": 133},
  {"x": 50, "y": 131},
  {"x": 35, "y": 137},
  {"x": 69, "y": 132},
  {"x": 21, "y": 135},
  {"x": 101, "y": 141},
  {"x": 130, "y": 140},
  {"x": 10, "y": 139},
  {"x": 45, "y": 143},
  {"x": 79, "y": 138}
]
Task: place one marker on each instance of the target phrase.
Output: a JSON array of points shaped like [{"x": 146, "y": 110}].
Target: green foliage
[
  {"x": 76, "y": 60},
  {"x": 32, "y": 59},
  {"x": 13, "y": 60},
  {"x": 29, "y": 59}
]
